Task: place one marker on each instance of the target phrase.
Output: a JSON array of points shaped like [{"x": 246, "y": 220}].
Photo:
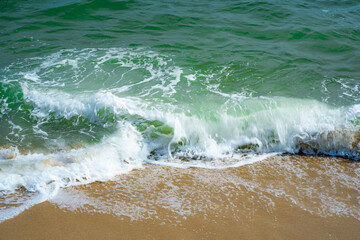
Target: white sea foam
[
  {"x": 46, "y": 173},
  {"x": 80, "y": 69},
  {"x": 119, "y": 153}
]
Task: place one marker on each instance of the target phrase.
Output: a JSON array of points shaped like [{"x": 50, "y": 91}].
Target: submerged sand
[{"x": 285, "y": 197}]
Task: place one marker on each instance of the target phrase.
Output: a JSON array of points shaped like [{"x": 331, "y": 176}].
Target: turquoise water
[{"x": 92, "y": 89}]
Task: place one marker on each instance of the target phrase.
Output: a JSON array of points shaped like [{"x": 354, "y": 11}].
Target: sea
[{"x": 93, "y": 89}]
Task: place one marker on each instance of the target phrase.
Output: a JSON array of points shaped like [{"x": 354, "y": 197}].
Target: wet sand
[{"x": 284, "y": 197}]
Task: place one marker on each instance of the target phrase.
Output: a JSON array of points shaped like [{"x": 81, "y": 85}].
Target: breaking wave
[{"x": 79, "y": 116}]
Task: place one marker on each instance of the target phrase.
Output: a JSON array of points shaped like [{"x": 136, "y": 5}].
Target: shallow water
[
  {"x": 321, "y": 186},
  {"x": 93, "y": 89}
]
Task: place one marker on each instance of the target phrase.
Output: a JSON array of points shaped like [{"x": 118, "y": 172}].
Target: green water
[
  {"x": 195, "y": 57},
  {"x": 293, "y": 49},
  {"x": 269, "y": 48},
  {"x": 93, "y": 89}
]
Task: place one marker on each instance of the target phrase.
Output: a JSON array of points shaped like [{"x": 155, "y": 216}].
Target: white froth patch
[
  {"x": 191, "y": 77},
  {"x": 65, "y": 105},
  {"x": 46, "y": 173},
  {"x": 89, "y": 64},
  {"x": 32, "y": 76},
  {"x": 224, "y": 162}
]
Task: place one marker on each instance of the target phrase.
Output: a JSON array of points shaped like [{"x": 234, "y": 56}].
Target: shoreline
[{"x": 172, "y": 203}]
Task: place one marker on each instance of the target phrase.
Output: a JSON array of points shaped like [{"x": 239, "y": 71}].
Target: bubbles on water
[
  {"x": 349, "y": 90},
  {"x": 120, "y": 70}
]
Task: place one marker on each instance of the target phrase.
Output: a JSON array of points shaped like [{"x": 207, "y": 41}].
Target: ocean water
[{"x": 93, "y": 89}]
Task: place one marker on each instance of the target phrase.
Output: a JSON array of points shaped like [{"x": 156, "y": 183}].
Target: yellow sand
[{"x": 279, "y": 198}]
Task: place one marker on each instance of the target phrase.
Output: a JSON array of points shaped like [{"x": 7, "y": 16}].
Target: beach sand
[{"x": 284, "y": 197}]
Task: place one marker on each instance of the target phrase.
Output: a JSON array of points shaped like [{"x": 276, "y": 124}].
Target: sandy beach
[{"x": 283, "y": 197}]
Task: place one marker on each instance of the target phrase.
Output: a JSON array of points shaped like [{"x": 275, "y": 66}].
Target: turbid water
[{"x": 93, "y": 89}]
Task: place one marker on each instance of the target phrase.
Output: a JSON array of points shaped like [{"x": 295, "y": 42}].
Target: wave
[
  {"x": 54, "y": 102},
  {"x": 257, "y": 124}
]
